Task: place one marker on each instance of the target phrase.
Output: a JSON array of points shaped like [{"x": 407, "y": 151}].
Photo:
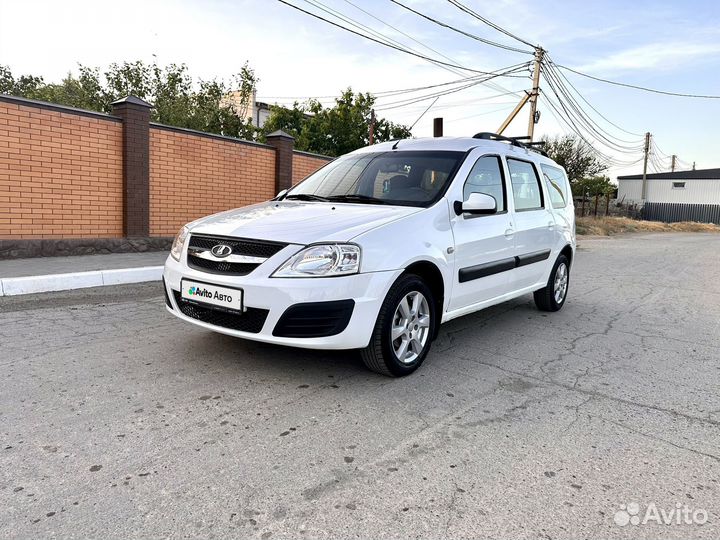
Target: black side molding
[
  {"x": 530, "y": 258},
  {"x": 486, "y": 269},
  {"x": 503, "y": 265}
]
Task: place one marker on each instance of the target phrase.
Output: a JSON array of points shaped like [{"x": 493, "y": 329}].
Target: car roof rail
[{"x": 521, "y": 142}]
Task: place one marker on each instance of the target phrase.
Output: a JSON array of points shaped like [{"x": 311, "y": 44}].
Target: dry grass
[{"x": 607, "y": 226}]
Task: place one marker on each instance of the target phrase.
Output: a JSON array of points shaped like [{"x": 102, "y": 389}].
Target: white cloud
[{"x": 663, "y": 55}]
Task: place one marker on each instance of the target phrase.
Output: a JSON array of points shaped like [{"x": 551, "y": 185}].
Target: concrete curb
[{"x": 78, "y": 280}]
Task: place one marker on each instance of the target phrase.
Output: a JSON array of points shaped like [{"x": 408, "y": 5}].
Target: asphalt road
[{"x": 117, "y": 420}]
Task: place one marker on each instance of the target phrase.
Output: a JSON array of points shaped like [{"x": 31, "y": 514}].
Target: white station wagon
[{"x": 378, "y": 248}]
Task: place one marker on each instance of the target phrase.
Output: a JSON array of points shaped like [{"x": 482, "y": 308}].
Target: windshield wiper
[
  {"x": 306, "y": 197},
  {"x": 356, "y": 197}
]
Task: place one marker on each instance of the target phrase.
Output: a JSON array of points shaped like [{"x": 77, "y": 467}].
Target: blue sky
[{"x": 667, "y": 45}]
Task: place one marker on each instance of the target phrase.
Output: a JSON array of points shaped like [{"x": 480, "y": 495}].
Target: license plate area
[{"x": 212, "y": 296}]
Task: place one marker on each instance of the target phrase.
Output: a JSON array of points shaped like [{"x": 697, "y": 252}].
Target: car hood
[{"x": 300, "y": 222}]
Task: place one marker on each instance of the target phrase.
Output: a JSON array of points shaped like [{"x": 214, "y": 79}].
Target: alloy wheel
[
  {"x": 410, "y": 327},
  {"x": 561, "y": 283}
]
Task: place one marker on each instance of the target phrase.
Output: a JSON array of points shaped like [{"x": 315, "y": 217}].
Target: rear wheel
[
  {"x": 403, "y": 330},
  {"x": 553, "y": 295}
]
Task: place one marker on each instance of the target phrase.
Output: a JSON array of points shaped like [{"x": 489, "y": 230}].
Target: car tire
[
  {"x": 408, "y": 312},
  {"x": 553, "y": 295}
]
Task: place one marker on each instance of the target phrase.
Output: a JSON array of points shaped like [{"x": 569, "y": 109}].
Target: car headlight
[
  {"x": 324, "y": 260},
  {"x": 178, "y": 243}
]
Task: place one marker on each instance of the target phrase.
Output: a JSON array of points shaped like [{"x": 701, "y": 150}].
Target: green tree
[
  {"x": 291, "y": 120},
  {"x": 25, "y": 85},
  {"x": 335, "y": 130},
  {"x": 178, "y": 100},
  {"x": 577, "y": 158},
  {"x": 594, "y": 185}
]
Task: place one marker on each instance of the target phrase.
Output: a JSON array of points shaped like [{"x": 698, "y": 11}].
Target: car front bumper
[{"x": 276, "y": 295}]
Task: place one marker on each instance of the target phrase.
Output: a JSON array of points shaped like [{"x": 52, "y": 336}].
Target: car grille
[
  {"x": 202, "y": 245},
  {"x": 251, "y": 320},
  {"x": 221, "y": 267}
]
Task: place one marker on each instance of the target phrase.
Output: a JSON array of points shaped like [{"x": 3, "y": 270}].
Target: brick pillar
[
  {"x": 135, "y": 114},
  {"x": 283, "y": 144}
]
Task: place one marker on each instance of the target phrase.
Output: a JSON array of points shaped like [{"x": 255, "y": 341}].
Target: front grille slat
[
  {"x": 240, "y": 246},
  {"x": 251, "y": 320},
  {"x": 221, "y": 267}
]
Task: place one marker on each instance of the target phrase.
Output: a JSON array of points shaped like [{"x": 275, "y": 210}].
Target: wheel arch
[
  {"x": 568, "y": 252},
  {"x": 433, "y": 277}
]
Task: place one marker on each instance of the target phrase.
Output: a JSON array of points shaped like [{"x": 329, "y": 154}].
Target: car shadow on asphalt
[{"x": 235, "y": 355}]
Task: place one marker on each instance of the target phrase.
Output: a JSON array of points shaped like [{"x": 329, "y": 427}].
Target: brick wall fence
[
  {"x": 304, "y": 164},
  {"x": 193, "y": 176},
  {"x": 74, "y": 181},
  {"x": 60, "y": 174}
]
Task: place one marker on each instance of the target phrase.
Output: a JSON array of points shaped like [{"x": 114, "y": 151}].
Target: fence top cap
[
  {"x": 132, "y": 100},
  {"x": 280, "y": 133}
]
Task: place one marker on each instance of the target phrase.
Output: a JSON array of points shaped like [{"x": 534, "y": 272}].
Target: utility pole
[
  {"x": 645, "y": 163},
  {"x": 539, "y": 53},
  {"x": 531, "y": 96},
  {"x": 672, "y": 162},
  {"x": 371, "y": 136}
]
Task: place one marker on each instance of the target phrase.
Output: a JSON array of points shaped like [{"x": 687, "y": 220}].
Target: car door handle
[
  {"x": 509, "y": 233},
  {"x": 551, "y": 224}
]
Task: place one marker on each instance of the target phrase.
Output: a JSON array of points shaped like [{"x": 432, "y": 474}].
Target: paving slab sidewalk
[{"x": 44, "y": 274}]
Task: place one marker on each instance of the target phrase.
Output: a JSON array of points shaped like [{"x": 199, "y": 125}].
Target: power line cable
[
  {"x": 357, "y": 24},
  {"x": 478, "y": 114},
  {"x": 636, "y": 87},
  {"x": 400, "y": 31},
  {"x": 658, "y": 150},
  {"x": 548, "y": 63},
  {"x": 566, "y": 119},
  {"x": 335, "y": 13},
  {"x": 463, "y": 32},
  {"x": 412, "y": 99},
  {"x": 551, "y": 75},
  {"x": 467, "y": 10},
  {"x": 580, "y": 117},
  {"x": 489, "y": 23},
  {"x": 385, "y": 44},
  {"x": 417, "y": 89},
  {"x": 410, "y": 109},
  {"x": 416, "y": 99},
  {"x": 390, "y": 93}
]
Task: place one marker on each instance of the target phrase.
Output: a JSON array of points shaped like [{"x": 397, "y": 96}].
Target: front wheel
[
  {"x": 553, "y": 295},
  {"x": 404, "y": 328}
]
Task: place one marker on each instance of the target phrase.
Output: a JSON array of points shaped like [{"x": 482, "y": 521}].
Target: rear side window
[
  {"x": 527, "y": 193},
  {"x": 556, "y": 185},
  {"x": 486, "y": 177}
]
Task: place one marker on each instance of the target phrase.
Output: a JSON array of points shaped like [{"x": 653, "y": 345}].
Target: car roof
[{"x": 457, "y": 144}]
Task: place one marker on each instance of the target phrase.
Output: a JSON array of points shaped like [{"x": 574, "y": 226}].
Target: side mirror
[
  {"x": 279, "y": 195},
  {"x": 477, "y": 204}
]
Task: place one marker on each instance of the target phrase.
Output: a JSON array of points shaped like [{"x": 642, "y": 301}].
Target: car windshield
[{"x": 410, "y": 178}]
